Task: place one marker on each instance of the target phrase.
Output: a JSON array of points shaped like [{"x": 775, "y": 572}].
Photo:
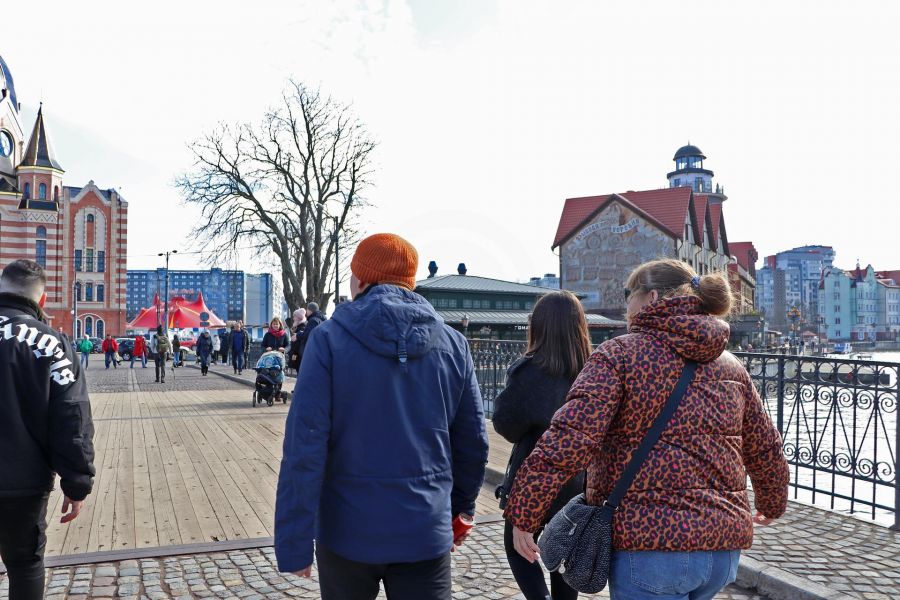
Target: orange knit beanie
[{"x": 386, "y": 258}]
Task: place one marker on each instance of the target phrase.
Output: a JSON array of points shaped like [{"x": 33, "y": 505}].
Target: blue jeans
[
  {"x": 84, "y": 359},
  {"x": 142, "y": 358},
  {"x": 671, "y": 575},
  {"x": 238, "y": 357},
  {"x": 111, "y": 358}
]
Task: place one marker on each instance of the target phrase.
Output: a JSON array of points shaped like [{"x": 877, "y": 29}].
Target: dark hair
[
  {"x": 24, "y": 276},
  {"x": 558, "y": 335},
  {"x": 671, "y": 277},
  {"x": 159, "y": 330}
]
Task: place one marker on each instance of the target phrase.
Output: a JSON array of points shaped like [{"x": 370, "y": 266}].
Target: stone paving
[
  {"x": 125, "y": 379},
  {"x": 479, "y": 571}
]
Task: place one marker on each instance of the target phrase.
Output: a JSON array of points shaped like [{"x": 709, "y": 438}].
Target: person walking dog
[
  {"x": 680, "y": 526},
  {"x": 385, "y": 448}
]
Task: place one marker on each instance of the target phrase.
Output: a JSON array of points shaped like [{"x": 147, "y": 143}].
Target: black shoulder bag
[{"x": 577, "y": 541}]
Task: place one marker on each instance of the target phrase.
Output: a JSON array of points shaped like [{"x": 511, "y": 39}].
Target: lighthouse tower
[{"x": 690, "y": 172}]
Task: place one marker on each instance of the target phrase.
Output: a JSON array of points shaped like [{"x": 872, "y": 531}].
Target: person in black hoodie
[
  {"x": 45, "y": 427},
  {"x": 537, "y": 384},
  {"x": 314, "y": 318}
]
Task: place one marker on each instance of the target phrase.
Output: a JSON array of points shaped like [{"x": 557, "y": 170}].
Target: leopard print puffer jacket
[{"x": 691, "y": 492}]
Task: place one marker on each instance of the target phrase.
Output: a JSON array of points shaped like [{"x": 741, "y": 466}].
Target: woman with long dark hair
[
  {"x": 679, "y": 529},
  {"x": 537, "y": 384}
]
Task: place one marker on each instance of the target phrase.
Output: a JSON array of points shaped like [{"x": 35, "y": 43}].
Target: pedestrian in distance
[
  {"x": 247, "y": 345},
  {"x": 276, "y": 337},
  {"x": 385, "y": 449},
  {"x": 299, "y": 326},
  {"x": 204, "y": 351},
  {"x": 314, "y": 318},
  {"x": 110, "y": 349},
  {"x": 86, "y": 347},
  {"x": 176, "y": 351},
  {"x": 160, "y": 348},
  {"x": 223, "y": 340},
  {"x": 139, "y": 350},
  {"x": 45, "y": 427},
  {"x": 537, "y": 385},
  {"x": 216, "y": 348},
  {"x": 238, "y": 344},
  {"x": 681, "y": 524}
]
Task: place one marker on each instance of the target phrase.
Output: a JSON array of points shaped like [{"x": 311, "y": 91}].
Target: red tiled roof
[
  {"x": 668, "y": 205},
  {"x": 575, "y": 212},
  {"x": 700, "y": 213},
  {"x": 745, "y": 253},
  {"x": 894, "y": 274}
]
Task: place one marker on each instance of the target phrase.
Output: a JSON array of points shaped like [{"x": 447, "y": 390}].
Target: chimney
[
  {"x": 432, "y": 269},
  {"x": 461, "y": 269}
]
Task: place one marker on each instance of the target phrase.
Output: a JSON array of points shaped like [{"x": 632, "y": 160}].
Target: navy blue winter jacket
[{"x": 385, "y": 438}]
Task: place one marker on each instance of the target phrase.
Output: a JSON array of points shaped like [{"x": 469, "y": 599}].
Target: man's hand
[
  {"x": 70, "y": 509},
  {"x": 525, "y": 545},
  {"x": 304, "y": 572},
  {"x": 761, "y": 519}
]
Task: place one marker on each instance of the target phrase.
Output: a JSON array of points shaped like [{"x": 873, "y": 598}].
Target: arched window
[
  {"x": 56, "y": 193},
  {"x": 90, "y": 217},
  {"x": 27, "y": 191},
  {"x": 41, "y": 233},
  {"x": 99, "y": 328},
  {"x": 89, "y": 326},
  {"x": 42, "y": 191}
]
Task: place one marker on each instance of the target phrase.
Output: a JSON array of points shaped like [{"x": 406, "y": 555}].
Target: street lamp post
[
  {"x": 166, "y": 312},
  {"x": 75, "y": 311},
  {"x": 794, "y": 315}
]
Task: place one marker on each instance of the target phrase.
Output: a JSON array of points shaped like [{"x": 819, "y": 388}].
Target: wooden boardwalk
[{"x": 177, "y": 468}]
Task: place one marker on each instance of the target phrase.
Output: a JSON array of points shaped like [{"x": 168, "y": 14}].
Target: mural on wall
[{"x": 597, "y": 260}]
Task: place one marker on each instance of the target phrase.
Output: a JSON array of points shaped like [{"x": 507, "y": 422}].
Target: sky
[{"x": 489, "y": 114}]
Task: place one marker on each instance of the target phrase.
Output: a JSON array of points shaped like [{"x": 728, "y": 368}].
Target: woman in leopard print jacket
[{"x": 680, "y": 528}]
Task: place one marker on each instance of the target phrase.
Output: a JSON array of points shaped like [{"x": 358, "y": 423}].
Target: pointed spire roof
[{"x": 39, "y": 152}]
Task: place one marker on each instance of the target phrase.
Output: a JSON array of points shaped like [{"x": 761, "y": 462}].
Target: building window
[
  {"x": 837, "y": 320},
  {"x": 89, "y": 326},
  {"x": 27, "y": 191},
  {"x": 78, "y": 292},
  {"x": 101, "y": 261},
  {"x": 56, "y": 193},
  {"x": 100, "y": 291},
  {"x": 90, "y": 218},
  {"x": 89, "y": 260},
  {"x": 40, "y": 252},
  {"x": 89, "y": 292},
  {"x": 77, "y": 260},
  {"x": 42, "y": 191},
  {"x": 99, "y": 328}
]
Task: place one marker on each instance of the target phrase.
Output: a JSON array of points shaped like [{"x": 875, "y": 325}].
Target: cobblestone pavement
[
  {"x": 479, "y": 571},
  {"x": 845, "y": 554}
]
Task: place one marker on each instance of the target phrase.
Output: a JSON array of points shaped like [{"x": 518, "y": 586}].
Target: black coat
[
  {"x": 312, "y": 322},
  {"x": 270, "y": 340},
  {"x": 45, "y": 413},
  {"x": 294, "y": 350},
  {"x": 522, "y": 413},
  {"x": 204, "y": 345}
]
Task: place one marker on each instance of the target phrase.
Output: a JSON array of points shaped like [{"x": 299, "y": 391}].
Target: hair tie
[{"x": 695, "y": 282}]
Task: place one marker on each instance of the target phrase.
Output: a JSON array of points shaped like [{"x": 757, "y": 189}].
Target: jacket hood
[
  {"x": 683, "y": 326},
  {"x": 391, "y": 321}
]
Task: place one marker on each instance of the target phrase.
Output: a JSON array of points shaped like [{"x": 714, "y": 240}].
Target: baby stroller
[{"x": 269, "y": 377}]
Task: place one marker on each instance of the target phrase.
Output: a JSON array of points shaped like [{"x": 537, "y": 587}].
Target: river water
[{"x": 856, "y": 428}]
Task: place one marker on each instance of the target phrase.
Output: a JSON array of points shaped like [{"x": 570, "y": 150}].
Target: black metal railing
[{"x": 837, "y": 419}]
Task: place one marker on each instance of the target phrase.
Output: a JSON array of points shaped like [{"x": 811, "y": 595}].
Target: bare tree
[{"x": 285, "y": 186}]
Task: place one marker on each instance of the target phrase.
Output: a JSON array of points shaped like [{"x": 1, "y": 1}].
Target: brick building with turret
[{"x": 77, "y": 233}]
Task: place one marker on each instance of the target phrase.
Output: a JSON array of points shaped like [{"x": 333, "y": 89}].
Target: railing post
[
  {"x": 896, "y": 525},
  {"x": 779, "y": 411}
]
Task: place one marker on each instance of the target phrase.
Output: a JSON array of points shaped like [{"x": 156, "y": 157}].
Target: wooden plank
[
  {"x": 145, "y": 528},
  {"x": 161, "y": 505}
]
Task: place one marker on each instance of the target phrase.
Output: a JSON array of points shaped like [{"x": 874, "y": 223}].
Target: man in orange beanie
[{"x": 386, "y": 444}]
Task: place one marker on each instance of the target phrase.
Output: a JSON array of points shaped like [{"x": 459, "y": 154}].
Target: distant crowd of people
[{"x": 386, "y": 446}]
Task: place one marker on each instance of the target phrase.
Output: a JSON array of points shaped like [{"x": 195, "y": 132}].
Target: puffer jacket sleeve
[
  {"x": 468, "y": 443},
  {"x": 764, "y": 457},
  {"x": 570, "y": 444},
  {"x": 71, "y": 431},
  {"x": 303, "y": 466}
]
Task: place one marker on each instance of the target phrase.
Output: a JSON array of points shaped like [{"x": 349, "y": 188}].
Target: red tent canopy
[{"x": 182, "y": 314}]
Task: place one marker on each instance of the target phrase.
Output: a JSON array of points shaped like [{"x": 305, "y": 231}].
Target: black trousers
[
  {"x": 343, "y": 579},
  {"x": 23, "y": 522},
  {"x": 530, "y": 576}
]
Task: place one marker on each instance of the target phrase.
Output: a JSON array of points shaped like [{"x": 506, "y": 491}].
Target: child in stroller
[{"x": 269, "y": 378}]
